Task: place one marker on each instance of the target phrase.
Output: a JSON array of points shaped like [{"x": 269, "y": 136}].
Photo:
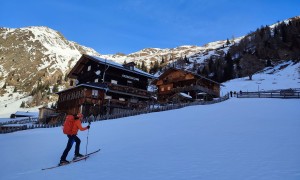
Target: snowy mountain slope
[
  {"x": 284, "y": 75},
  {"x": 194, "y": 53},
  {"x": 10, "y": 103},
  {"x": 52, "y": 45},
  {"x": 36, "y": 54},
  {"x": 285, "y": 21},
  {"x": 33, "y": 55},
  {"x": 253, "y": 139},
  {"x": 149, "y": 55}
]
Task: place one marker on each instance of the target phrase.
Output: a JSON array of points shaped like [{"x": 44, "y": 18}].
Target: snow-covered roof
[
  {"x": 195, "y": 74},
  {"x": 201, "y": 93},
  {"x": 186, "y": 95},
  {"x": 120, "y": 66},
  {"x": 27, "y": 114}
]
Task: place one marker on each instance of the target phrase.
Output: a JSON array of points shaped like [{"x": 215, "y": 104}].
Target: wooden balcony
[
  {"x": 124, "y": 104},
  {"x": 195, "y": 88},
  {"x": 126, "y": 90},
  {"x": 179, "y": 89}
]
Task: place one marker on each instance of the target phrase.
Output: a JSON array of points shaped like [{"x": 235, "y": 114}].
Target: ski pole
[{"x": 87, "y": 140}]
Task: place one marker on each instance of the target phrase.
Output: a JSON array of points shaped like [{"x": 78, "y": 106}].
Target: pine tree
[
  {"x": 210, "y": 65},
  {"x": 49, "y": 92},
  {"x": 268, "y": 64},
  {"x": 227, "y": 42},
  {"x": 156, "y": 65},
  {"x": 66, "y": 78},
  {"x": 186, "y": 60},
  {"x": 23, "y": 104},
  {"x": 143, "y": 66},
  {"x": 180, "y": 63},
  {"x": 218, "y": 70},
  {"x": 228, "y": 70},
  {"x": 55, "y": 88},
  {"x": 54, "y": 106},
  {"x": 238, "y": 68},
  {"x": 162, "y": 60}
]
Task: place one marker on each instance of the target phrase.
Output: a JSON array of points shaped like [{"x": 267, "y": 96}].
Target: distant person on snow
[{"x": 71, "y": 126}]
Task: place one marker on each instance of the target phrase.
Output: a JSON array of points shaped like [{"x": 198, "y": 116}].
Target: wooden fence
[
  {"x": 9, "y": 129},
  {"x": 289, "y": 93}
]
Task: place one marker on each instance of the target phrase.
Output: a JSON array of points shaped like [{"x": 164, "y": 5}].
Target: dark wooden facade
[
  {"x": 102, "y": 86},
  {"x": 174, "y": 83}
]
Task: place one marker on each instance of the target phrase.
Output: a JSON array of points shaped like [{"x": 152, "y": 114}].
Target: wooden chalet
[
  {"x": 177, "y": 85},
  {"x": 104, "y": 87}
]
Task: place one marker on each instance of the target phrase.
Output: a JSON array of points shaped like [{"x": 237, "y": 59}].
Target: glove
[{"x": 88, "y": 127}]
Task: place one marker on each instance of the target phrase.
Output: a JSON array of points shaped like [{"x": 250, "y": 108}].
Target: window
[
  {"x": 162, "y": 89},
  {"x": 89, "y": 68},
  {"x": 169, "y": 88},
  {"x": 107, "y": 97},
  {"x": 134, "y": 100},
  {"x": 94, "y": 93},
  {"x": 114, "y": 81},
  {"x": 129, "y": 83},
  {"x": 121, "y": 99},
  {"x": 96, "y": 80}
]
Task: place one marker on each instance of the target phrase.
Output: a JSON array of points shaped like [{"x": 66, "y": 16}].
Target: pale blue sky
[{"x": 130, "y": 25}]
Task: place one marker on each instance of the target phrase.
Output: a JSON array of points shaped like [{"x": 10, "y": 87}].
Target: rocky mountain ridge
[{"x": 33, "y": 55}]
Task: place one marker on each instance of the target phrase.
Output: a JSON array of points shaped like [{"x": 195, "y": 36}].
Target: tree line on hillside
[
  {"x": 165, "y": 61},
  {"x": 254, "y": 52},
  {"x": 266, "y": 45}
]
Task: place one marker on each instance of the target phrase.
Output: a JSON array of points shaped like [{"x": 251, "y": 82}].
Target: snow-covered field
[
  {"x": 243, "y": 139},
  {"x": 237, "y": 139},
  {"x": 10, "y": 103},
  {"x": 283, "y": 76}
]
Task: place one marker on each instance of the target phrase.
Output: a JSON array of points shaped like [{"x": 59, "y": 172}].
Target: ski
[
  {"x": 92, "y": 152},
  {"x": 73, "y": 161}
]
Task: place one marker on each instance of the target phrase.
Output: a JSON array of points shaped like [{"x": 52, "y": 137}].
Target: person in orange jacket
[{"x": 71, "y": 126}]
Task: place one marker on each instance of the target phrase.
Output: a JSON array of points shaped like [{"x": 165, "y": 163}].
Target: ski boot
[
  {"x": 78, "y": 156},
  {"x": 63, "y": 162}
]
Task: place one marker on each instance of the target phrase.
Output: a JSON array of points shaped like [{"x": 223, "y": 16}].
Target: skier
[{"x": 71, "y": 126}]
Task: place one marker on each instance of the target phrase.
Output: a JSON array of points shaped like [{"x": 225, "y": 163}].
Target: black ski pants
[{"x": 71, "y": 140}]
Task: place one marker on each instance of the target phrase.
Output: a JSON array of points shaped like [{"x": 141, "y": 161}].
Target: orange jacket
[{"x": 77, "y": 126}]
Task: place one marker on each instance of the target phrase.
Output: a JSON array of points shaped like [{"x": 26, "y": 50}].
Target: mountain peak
[{"x": 36, "y": 54}]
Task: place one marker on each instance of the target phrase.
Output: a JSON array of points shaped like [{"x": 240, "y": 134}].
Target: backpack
[{"x": 68, "y": 124}]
